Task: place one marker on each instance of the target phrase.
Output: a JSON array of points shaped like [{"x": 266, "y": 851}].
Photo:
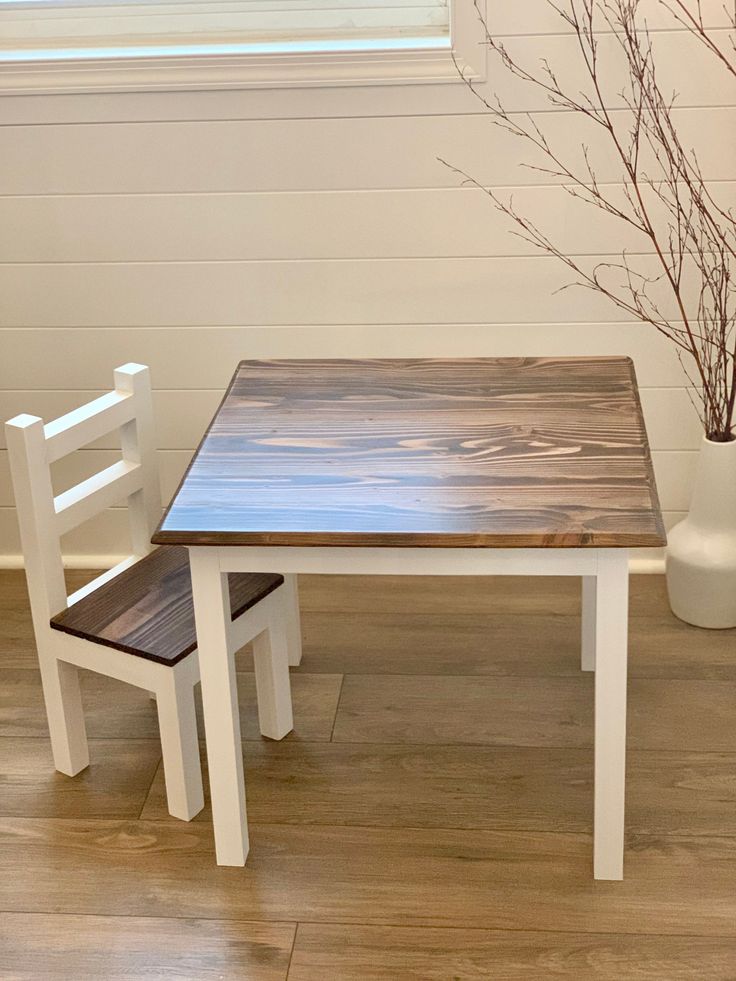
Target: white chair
[{"x": 134, "y": 622}]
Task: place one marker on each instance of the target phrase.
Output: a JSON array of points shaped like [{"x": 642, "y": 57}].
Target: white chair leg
[
  {"x": 271, "y": 663},
  {"x": 65, "y": 714},
  {"x": 588, "y": 624},
  {"x": 612, "y": 593},
  {"x": 177, "y": 723},
  {"x": 290, "y": 594}
]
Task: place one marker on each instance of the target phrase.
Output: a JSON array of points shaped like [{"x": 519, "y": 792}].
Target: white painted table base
[{"x": 604, "y": 574}]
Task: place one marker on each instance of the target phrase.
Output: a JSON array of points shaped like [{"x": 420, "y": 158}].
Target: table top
[{"x": 491, "y": 452}]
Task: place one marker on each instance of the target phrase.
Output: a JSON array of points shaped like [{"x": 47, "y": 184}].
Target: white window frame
[{"x": 354, "y": 63}]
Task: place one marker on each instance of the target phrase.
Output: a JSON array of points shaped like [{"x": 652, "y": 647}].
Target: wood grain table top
[{"x": 492, "y": 452}]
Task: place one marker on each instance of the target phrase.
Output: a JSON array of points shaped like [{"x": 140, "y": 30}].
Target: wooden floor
[{"x": 429, "y": 818}]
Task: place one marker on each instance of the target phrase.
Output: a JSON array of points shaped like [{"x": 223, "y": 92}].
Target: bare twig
[{"x": 662, "y": 194}]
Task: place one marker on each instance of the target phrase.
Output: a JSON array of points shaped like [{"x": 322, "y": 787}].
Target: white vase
[{"x": 701, "y": 550}]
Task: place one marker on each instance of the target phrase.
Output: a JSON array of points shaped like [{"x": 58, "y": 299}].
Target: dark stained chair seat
[{"x": 147, "y": 609}]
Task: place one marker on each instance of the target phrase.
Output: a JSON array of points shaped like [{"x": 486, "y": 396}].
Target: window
[{"x": 128, "y": 44}]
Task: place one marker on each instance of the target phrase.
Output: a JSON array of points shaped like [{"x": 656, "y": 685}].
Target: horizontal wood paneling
[
  {"x": 672, "y": 419},
  {"x": 206, "y": 357},
  {"x": 309, "y": 292},
  {"x": 333, "y": 154},
  {"x": 538, "y": 17},
  {"x": 703, "y": 84},
  {"x": 441, "y": 222},
  {"x": 675, "y": 475}
]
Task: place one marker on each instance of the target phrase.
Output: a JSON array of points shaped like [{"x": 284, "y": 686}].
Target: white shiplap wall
[{"x": 189, "y": 230}]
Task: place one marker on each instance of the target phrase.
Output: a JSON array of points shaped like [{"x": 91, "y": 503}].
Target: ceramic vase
[{"x": 701, "y": 551}]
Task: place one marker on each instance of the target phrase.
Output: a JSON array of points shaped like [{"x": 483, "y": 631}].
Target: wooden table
[{"x": 528, "y": 466}]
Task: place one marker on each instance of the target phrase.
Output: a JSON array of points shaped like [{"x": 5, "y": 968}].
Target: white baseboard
[
  {"x": 70, "y": 561},
  {"x": 651, "y": 563}
]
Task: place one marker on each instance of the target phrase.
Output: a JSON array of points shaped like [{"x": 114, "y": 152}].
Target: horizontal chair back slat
[
  {"x": 44, "y": 517},
  {"x": 87, "y": 423},
  {"x": 98, "y": 492}
]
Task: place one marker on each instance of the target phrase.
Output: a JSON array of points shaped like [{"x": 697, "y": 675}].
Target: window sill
[{"x": 406, "y": 60}]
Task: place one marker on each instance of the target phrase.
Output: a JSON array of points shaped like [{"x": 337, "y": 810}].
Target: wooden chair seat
[{"x": 147, "y": 609}]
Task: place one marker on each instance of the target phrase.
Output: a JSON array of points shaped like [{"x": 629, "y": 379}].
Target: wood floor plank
[
  {"x": 18, "y": 644},
  {"x": 396, "y": 859},
  {"x": 661, "y": 646},
  {"x": 406, "y": 877},
  {"x": 668, "y": 715},
  {"x": 404, "y": 625},
  {"x": 440, "y": 594},
  {"x": 529, "y": 596},
  {"x": 114, "y": 785},
  {"x": 16, "y": 631},
  {"x": 689, "y": 793},
  {"x": 409, "y": 786},
  {"x": 672, "y": 714},
  {"x": 441, "y": 644},
  {"x": 445, "y": 710},
  {"x": 387, "y": 953},
  {"x": 555, "y": 595},
  {"x": 538, "y": 645},
  {"x": 499, "y": 787},
  {"x": 117, "y": 711},
  {"x": 58, "y": 948}
]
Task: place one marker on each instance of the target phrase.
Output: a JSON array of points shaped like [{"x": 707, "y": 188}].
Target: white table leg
[
  {"x": 293, "y": 620},
  {"x": 588, "y": 624},
  {"x": 611, "y": 602},
  {"x": 220, "y": 704},
  {"x": 271, "y": 663}
]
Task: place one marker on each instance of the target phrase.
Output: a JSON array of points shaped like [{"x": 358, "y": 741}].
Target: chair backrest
[{"x": 44, "y": 517}]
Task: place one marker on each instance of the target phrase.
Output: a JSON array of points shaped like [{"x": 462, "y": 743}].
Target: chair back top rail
[
  {"x": 44, "y": 516},
  {"x": 87, "y": 423}
]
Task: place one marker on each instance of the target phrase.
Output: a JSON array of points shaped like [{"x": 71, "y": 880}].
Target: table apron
[{"x": 410, "y": 561}]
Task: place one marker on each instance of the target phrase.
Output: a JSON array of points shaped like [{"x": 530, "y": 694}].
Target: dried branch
[
  {"x": 693, "y": 21},
  {"x": 690, "y": 236}
]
